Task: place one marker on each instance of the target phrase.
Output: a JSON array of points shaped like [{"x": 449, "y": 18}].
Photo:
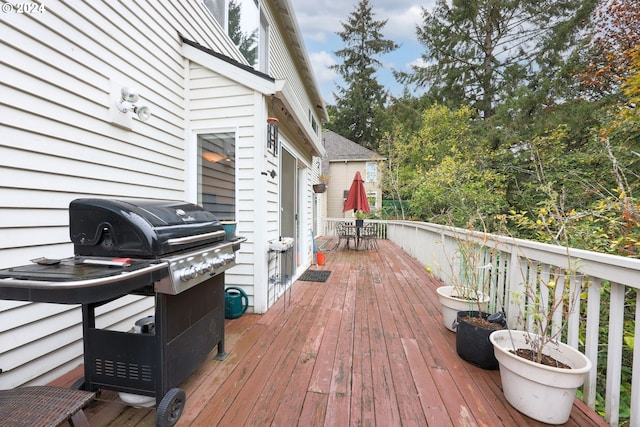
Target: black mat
[{"x": 315, "y": 276}]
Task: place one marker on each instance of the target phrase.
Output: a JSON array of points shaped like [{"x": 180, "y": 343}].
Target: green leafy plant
[
  {"x": 470, "y": 267},
  {"x": 548, "y": 296},
  {"x": 550, "y": 293}
]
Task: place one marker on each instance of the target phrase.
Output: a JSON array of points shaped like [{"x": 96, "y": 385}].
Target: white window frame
[
  {"x": 371, "y": 172},
  {"x": 191, "y": 159}
]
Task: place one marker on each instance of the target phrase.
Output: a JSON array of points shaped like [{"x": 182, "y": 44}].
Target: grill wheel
[{"x": 170, "y": 408}]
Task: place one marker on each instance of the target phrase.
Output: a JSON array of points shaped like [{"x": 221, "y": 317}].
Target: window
[
  {"x": 218, "y": 9},
  {"x": 372, "y": 199},
  {"x": 371, "y": 174},
  {"x": 240, "y": 19},
  {"x": 314, "y": 123},
  {"x": 216, "y": 174},
  {"x": 263, "y": 49}
]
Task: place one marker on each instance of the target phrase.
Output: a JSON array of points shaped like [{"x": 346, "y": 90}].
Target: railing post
[
  {"x": 515, "y": 285},
  {"x": 591, "y": 340},
  {"x": 614, "y": 357},
  {"x": 635, "y": 381}
]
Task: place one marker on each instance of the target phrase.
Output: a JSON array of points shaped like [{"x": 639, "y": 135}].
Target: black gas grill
[{"x": 174, "y": 251}]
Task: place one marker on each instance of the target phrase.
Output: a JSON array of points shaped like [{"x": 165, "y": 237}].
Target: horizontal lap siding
[
  {"x": 216, "y": 102},
  {"x": 57, "y": 143},
  {"x": 282, "y": 66}
]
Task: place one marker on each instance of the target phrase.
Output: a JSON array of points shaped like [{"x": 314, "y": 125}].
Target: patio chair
[
  {"x": 344, "y": 235},
  {"x": 369, "y": 237},
  {"x": 44, "y": 406}
]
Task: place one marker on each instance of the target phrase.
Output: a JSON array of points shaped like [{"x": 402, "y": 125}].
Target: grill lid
[{"x": 140, "y": 228}]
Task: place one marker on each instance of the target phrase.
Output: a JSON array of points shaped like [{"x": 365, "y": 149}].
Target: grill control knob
[
  {"x": 218, "y": 262},
  {"x": 204, "y": 268},
  {"x": 188, "y": 274}
]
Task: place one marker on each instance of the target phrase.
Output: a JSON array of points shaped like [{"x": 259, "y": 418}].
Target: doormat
[{"x": 315, "y": 276}]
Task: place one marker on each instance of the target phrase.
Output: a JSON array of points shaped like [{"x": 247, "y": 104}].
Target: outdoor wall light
[
  {"x": 272, "y": 173},
  {"x": 127, "y": 103},
  {"x": 272, "y": 135}
]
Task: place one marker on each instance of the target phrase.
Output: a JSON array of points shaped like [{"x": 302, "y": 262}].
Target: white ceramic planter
[
  {"x": 541, "y": 392},
  {"x": 451, "y": 305}
]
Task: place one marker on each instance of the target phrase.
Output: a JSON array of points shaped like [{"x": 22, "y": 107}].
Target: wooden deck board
[{"x": 365, "y": 348}]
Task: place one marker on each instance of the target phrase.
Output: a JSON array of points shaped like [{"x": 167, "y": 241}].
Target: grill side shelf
[{"x": 81, "y": 291}]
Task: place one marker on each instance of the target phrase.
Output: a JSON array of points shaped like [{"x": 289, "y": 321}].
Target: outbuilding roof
[{"x": 339, "y": 148}]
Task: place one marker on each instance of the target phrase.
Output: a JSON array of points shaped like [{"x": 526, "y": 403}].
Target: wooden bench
[{"x": 44, "y": 406}]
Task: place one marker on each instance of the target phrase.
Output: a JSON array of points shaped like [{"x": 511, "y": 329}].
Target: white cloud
[
  {"x": 401, "y": 24},
  {"x": 319, "y": 21},
  {"x": 321, "y": 61},
  {"x": 418, "y": 62}
]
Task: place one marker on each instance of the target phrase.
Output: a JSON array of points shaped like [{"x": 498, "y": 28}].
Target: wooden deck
[{"x": 365, "y": 348}]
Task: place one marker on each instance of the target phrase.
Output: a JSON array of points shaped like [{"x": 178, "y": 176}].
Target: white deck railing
[{"x": 435, "y": 246}]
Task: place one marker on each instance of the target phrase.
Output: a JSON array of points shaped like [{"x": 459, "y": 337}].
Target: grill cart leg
[
  {"x": 222, "y": 355},
  {"x": 170, "y": 408}
]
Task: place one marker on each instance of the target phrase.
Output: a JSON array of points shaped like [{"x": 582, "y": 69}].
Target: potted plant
[
  {"x": 474, "y": 324},
  {"x": 539, "y": 374},
  {"x": 359, "y": 218},
  {"x": 473, "y": 329},
  {"x": 321, "y": 187},
  {"x": 468, "y": 278}
]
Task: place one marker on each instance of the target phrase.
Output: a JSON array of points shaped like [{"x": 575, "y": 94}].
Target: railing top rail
[{"x": 623, "y": 270}]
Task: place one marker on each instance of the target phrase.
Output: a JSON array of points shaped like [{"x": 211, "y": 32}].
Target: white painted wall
[{"x": 61, "y": 70}]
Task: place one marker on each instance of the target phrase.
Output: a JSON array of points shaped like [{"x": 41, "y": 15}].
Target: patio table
[{"x": 354, "y": 230}]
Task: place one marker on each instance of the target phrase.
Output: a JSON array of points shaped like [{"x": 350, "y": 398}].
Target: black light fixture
[
  {"x": 272, "y": 173},
  {"x": 272, "y": 135}
]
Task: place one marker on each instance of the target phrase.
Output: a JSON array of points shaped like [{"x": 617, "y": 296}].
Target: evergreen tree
[
  {"x": 480, "y": 51},
  {"x": 357, "y": 114}
]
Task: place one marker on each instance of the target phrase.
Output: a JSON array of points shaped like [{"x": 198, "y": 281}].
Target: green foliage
[
  {"x": 445, "y": 170},
  {"x": 458, "y": 190}
]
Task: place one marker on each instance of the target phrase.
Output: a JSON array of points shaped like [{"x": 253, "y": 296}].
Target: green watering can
[{"x": 236, "y": 302}]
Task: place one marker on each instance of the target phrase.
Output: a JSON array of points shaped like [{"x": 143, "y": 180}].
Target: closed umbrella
[{"x": 357, "y": 197}]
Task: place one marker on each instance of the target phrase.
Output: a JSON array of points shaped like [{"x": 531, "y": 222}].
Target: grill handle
[
  {"x": 195, "y": 238},
  {"x": 74, "y": 284}
]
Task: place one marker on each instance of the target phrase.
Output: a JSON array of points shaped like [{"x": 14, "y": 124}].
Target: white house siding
[
  {"x": 320, "y": 199},
  {"x": 298, "y": 90},
  {"x": 60, "y": 69},
  {"x": 215, "y": 103},
  {"x": 57, "y": 143}
]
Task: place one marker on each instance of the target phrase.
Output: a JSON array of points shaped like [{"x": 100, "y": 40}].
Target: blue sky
[{"x": 320, "y": 20}]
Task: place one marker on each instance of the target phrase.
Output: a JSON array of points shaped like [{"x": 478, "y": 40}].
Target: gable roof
[
  {"x": 240, "y": 73},
  {"x": 339, "y": 148}
]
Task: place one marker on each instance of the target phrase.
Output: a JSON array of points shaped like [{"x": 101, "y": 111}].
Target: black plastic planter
[{"x": 472, "y": 341}]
